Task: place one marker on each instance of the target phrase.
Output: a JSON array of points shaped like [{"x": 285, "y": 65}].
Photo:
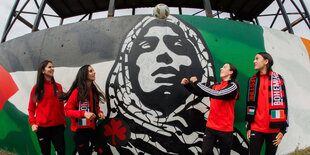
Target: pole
[{"x": 39, "y": 15}]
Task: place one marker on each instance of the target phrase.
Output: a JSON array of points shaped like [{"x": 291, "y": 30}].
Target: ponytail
[{"x": 233, "y": 77}]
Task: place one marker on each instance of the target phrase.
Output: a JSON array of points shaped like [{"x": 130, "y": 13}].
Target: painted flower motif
[{"x": 115, "y": 130}]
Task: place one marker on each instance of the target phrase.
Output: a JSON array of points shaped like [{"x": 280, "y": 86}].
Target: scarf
[{"x": 277, "y": 100}]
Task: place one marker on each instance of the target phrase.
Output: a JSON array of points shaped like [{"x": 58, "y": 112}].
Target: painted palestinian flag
[{"x": 7, "y": 86}]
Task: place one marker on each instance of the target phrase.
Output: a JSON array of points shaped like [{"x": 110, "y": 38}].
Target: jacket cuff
[
  {"x": 248, "y": 125},
  {"x": 32, "y": 123},
  {"x": 99, "y": 111},
  {"x": 82, "y": 113},
  {"x": 283, "y": 131}
]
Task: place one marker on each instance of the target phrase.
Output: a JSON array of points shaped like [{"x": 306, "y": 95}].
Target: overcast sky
[{"x": 20, "y": 29}]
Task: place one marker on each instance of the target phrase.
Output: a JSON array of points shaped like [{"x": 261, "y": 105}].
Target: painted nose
[{"x": 165, "y": 58}]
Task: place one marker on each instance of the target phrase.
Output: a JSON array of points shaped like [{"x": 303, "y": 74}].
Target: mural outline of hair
[{"x": 122, "y": 100}]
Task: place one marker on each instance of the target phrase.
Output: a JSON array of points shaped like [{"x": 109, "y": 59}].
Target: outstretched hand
[{"x": 184, "y": 81}]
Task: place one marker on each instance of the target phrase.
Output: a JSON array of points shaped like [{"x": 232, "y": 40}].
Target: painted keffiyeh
[{"x": 277, "y": 100}]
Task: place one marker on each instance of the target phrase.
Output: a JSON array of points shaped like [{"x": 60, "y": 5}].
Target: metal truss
[
  {"x": 17, "y": 15},
  {"x": 304, "y": 15}
]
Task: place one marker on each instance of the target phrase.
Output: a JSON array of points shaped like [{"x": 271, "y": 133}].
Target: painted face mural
[{"x": 144, "y": 86}]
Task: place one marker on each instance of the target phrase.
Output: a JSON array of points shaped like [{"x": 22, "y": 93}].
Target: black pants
[
  {"x": 88, "y": 139},
  {"x": 54, "y": 134},
  {"x": 257, "y": 140},
  {"x": 210, "y": 138}
]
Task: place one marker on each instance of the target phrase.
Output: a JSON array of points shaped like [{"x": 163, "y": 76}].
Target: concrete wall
[{"x": 139, "y": 63}]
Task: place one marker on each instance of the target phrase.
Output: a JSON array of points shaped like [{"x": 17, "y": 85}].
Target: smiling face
[
  {"x": 162, "y": 56},
  {"x": 91, "y": 74},
  {"x": 48, "y": 71},
  {"x": 260, "y": 63},
  {"x": 226, "y": 72}
]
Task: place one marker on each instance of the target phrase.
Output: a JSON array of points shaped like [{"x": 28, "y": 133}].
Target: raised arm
[{"x": 227, "y": 93}]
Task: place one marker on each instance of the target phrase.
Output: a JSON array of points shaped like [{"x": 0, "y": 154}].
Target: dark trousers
[
  {"x": 257, "y": 140},
  {"x": 54, "y": 134},
  {"x": 88, "y": 139},
  {"x": 210, "y": 138}
]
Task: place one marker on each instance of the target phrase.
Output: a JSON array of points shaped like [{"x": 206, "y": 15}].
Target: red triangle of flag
[{"x": 7, "y": 86}]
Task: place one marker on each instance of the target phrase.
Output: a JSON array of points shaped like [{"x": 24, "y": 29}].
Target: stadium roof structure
[{"x": 242, "y": 9}]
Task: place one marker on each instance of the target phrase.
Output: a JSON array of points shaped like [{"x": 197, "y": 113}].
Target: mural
[
  {"x": 139, "y": 61},
  {"x": 144, "y": 87}
]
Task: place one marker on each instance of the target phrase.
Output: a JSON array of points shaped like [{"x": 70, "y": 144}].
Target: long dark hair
[
  {"x": 39, "y": 90},
  {"x": 267, "y": 56},
  {"x": 233, "y": 77},
  {"x": 80, "y": 83}
]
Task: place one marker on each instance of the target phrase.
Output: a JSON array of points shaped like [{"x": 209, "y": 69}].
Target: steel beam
[
  {"x": 286, "y": 19},
  {"x": 23, "y": 20},
  {"x": 133, "y": 11},
  {"x": 256, "y": 20},
  {"x": 90, "y": 16},
  {"x": 83, "y": 17},
  {"x": 39, "y": 15},
  {"x": 111, "y": 8},
  {"x": 46, "y": 24},
  {"x": 61, "y": 21},
  {"x": 8, "y": 23},
  {"x": 294, "y": 23},
  {"x": 14, "y": 20},
  {"x": 208, "y": 8},
  {"x": 301, "y": 14},
  {"x": 305, "y": 9}
]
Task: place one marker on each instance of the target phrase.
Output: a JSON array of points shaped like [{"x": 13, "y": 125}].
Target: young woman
[
  {"x": 46, "y": 112},
  {"x": 83, "y": 108},
  {"x": 222, "y": 102},
  {"x": 267, "y": 111}
]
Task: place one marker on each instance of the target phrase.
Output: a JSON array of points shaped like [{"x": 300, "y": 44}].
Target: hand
[
  {"x": 89, "y": 115},
  {"x": 184, "y": 81},
  {"x": 34, "y": 128},
  {"x": 248, "y": 134},
  {"x": 101, "y": 116},
  {"x": 193, "y": 79},
  {"x": 278, "y": 139}
]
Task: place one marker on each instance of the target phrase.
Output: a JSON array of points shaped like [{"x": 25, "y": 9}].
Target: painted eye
[
  {"x": 145, "y": 45},
  {"x": 178, "y": 43}
]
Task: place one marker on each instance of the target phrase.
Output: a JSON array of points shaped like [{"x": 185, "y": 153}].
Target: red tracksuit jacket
[
  {"x": 49, "y": 111},
  {"x": 75, "y": 110},
  {"x": 223, "y": 97}
]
